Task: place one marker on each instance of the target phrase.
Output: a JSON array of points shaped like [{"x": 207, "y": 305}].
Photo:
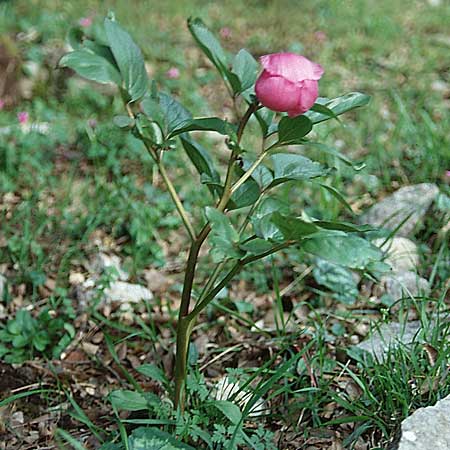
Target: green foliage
[{"x": 24, "y": 336}]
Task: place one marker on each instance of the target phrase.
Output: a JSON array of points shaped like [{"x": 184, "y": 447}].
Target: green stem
[
  {"x": 176, "y": 200},
  {"x": 185, "y": 320}
]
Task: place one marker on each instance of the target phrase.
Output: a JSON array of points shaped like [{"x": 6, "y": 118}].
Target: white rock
[
  {"x": 410, "y": 202},
  {"x": 388, "y": 335},
  {"x": 122, "y": 292},
  {"x": 102, "y": 261},
  {"x": 427, "y": 428},
  {"x": 402, "y": 254},
  {"x": 404, "y": 284},
  {"x": 228, "y": 390}
]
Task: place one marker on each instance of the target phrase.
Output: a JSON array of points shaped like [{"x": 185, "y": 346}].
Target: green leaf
[
  {"x": 125, "y": 122},
  {"x": 290, "y": 166},
  {"x": 224, "y": 238},
  {"x": 146, "y": 438},
  {"x": 128, "y": 400},
  {"x": 346, "y": 250},
  {"x": 152, "y": 371},
  {"x": 174, "y": 113},
  {"x": 246, "y": 195},
  {"x": 41, "y": 340},
  {"x": 262, "y": 175},
  {"x": 213, "y": 50},
  {"x": 201, "y": 160},
  {"x": 261, "y": 219},
  {"x": 246, "y": 68},
  {"x": 322, "y": 109},
  {"x": 229, "y": 410},
  {"x": 204, "y": 124},
  {"x": 292, "y": 130},
  {"x": 336, "y": 278},
  {"x": 91, "y": 66},
  {"x": 265, "y": 118},
  {"x": 20, "y": 341},
  {"x": 338, "y": 106},
  {"x": 149, "y": 130},
  {"x": 129, "y": 59},
  {"x": 293, "y": 228},
  {"x": 334, "y": 152},
  {"x": 337, "y": 195},
  {"x": 256, "y": 246}
]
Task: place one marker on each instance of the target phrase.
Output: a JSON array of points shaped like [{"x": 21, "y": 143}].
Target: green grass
[{"x": 62, "y": 194}]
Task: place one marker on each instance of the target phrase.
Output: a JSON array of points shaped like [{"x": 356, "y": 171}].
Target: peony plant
[{"x": 259, "y": 225}]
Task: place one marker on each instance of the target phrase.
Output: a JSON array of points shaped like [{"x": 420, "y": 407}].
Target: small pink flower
[
  {"x": 85, "y": 22},
  {"x": 288, "y": 83},
  {"x": 2, "y": 104},
  {"x": 320, "y": 36},
  {"x": 225, "y": 32},
  {"x": 23, "y": 117},
  {"x": 173, "y": 73},
  {"x": 92, "y": 123},
  {"x": 447, "y": 173}
]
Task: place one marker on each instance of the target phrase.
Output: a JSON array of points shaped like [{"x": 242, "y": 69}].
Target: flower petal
[
  {"x": 308, "y": 95},
  {"x": 291, "y": 66},
  {"x": 277, "y": 93}
]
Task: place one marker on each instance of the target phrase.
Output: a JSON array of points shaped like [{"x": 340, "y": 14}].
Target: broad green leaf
[
  {"x": 174, "y": 113},
  {"x": 147, "y": 438},
  {"x": 204, "y": 124},
  {"x": 262, "y": 175},
  {"x": 256, "y": 246},
  {"x": 20, "y": 341},
  {"x": 128, "y": 400},
  {"x": 246, "y": 68},
  {"x": 261, "y": 219},
  {"x": 101, "y": 50},
  {"x": 41, "y": 340},
  {"x": 224, "y": 238},
  {"x": 246, "y": 195},
  {"x": 152, "y": 371},
  {"x": 213, "y": 50},
  {"x": 91, "y": 66},
  {"x": 292, "y": 130},
  {"x": 322, "y": 109},
  {"x": 129, "y": 59},
  {"x": 338, "y": 106},
  {"x": 125, "y": 122},
  {"x": 346, "y": 250},
  {"x": 149, "y": 129},
  {"x": 229, "y": 410},
  {"x": 293, "y": 228},
  {"x": 290, "y": 166},
  {"x": 201, "y": 159},
  {"x": 338, "y": 279},
  {"x": 343, "y": 226}
]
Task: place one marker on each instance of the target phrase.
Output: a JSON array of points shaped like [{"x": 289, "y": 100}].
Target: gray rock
[
  {"x": 102, "y": 261},
  {"x": 122, "y": 292},
  {"x": 401, "y": 253},
  {"x": 403, "y": 284},
  {"x": 388, "y": 335},
  {"x": 394, "y": 209},
  {"x": 427, "y": 428}
]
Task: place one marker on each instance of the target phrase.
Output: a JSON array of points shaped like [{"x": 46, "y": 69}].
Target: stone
[
  {"x": 388, "y": 335},
  {"x": 102, "y": 262},
  {"x": 412, "y": 201},
  {"x": 123, "y": 292},
  {"x": 401, "y": 253},
  {"x": 403, "y": 284},
  {"x": 427, "y": 428}
]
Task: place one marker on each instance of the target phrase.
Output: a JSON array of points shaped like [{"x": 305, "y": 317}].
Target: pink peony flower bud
[
  {"x": 2, "y": 104},
  {"x": 288, "y": 83},
  {"x": 225, "y": 33},
  {"x": 85, "y": 22},
  {"x": 173, "y": 73},
  {"x": 23, "y": 117}
]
